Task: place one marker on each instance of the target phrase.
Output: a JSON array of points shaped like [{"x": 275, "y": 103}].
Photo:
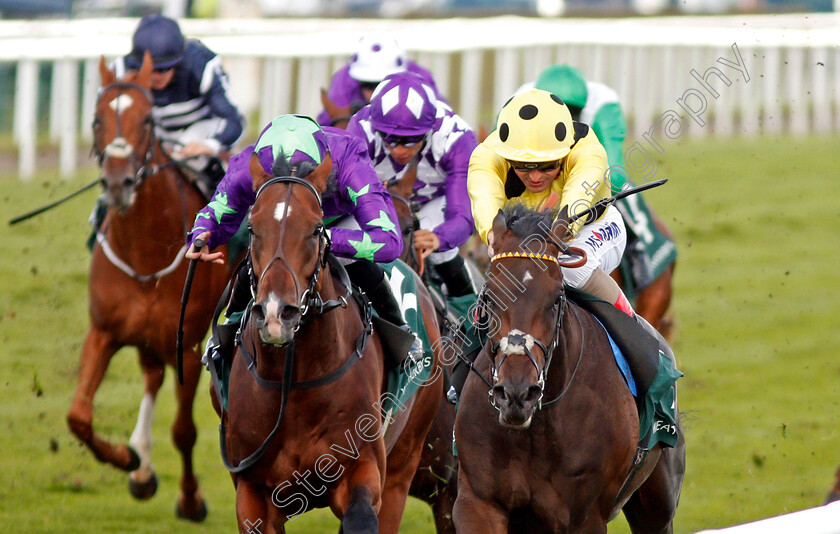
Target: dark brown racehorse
[
  {"x": 553, "y": 447},
  {"x": 136, "y": 280},
  {"x": 436, "y": 481},
  {"x": 307, "y": 400}
]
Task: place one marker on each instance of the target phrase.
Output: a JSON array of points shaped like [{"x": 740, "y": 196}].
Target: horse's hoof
[
  {"x": 133, "y": 460},
  {"x": 143, "y": 491},
  {"x": 197, "y": 517}
]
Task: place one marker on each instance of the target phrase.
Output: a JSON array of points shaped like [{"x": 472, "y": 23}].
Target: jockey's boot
[
  {"x": 97, "y": 217},
  {"x": 456, "y": 276},
  {"x": 387, "y": 307},
  {"x": 222, "y": 341}
]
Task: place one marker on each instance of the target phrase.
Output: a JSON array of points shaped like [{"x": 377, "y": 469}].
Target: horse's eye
[
  {"x": 319, "y": 229},
  {"x": 251, "y": 229}
]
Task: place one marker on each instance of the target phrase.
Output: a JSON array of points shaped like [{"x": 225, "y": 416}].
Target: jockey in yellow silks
[{"x": 538, "y": 149}]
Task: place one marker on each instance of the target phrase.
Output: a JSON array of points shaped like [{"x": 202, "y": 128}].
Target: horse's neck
[{"x": 160, "y": 215}]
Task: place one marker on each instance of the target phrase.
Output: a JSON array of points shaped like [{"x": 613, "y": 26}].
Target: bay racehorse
[
  {"x": 306, "y": 424},
  {"x": 552, "y": 450},
  {"x": 136, "y": 280}
]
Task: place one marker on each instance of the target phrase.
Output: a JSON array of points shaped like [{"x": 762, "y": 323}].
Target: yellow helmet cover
[{"x": 534, "y": 126}]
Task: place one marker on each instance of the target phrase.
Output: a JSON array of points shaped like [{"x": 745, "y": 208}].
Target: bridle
[
  {"x": 310, "y": 299},
  {"x": 518, "y": 342},
  {"x": 119, "y": 147}
]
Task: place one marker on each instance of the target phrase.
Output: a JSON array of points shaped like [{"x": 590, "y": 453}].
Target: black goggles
[
  {"x": 403, "y": 140},
  {"x": 541, "y": 166}
]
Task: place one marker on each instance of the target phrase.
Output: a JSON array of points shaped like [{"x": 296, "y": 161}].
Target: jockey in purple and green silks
[{"x": 354, "y": 190}]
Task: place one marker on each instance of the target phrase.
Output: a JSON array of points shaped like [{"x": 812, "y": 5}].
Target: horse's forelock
[
  {"x": 525, "y": 222},
  {"x": 282, "y": 167}
]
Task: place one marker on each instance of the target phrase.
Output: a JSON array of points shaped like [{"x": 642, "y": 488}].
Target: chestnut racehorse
[
  {"x": 306, "y": 425},
  {"x": 553, "y": 449},
  {"x": 136, "y": 280}
]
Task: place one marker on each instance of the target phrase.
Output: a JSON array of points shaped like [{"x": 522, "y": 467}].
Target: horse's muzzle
[
  {"x": 276, "y": 321},
  {"x": 516, "y": 403}
]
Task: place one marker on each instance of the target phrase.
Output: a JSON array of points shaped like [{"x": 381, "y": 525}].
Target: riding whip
[
  {"x": 198, "y": 244},
  {"x": 50, "y": 206},
  {"x": 603, "y": 204}
]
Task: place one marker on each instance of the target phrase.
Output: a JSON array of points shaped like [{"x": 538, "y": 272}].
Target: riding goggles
[
  {"x": 402, "y": 140},
  {"x": 541, "y": 166}
]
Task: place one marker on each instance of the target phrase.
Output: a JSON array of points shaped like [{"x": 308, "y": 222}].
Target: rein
[{"x": 312, "y": 301}]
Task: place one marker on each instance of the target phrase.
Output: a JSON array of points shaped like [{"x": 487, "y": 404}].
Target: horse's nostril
[
  {"x": 290, "y": 313},
  {"x": 499, "y": 393},
  {"x": 258, "y": 314},
  {"x": 532, "y": 395}
]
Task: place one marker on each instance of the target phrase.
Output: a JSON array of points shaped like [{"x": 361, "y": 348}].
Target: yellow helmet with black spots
[{"x": 534, "y": 126}]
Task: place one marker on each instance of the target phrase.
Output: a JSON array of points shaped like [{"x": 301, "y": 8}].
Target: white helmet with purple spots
[{"x": 377, "y": 56}]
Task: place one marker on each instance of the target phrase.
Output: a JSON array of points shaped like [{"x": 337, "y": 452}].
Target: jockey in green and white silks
[{"x": 648, "y": 250}]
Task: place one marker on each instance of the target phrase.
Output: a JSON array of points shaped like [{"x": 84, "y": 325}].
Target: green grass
[{"x": 755, "y": 220}]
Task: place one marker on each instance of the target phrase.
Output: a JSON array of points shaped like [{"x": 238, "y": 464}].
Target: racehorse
[
  {"x": 339, "y": 116},
  {"x": 304, "y": 424},
  {"x": 436, "y": 481},
  {"x": 834, "y": 493},
  {"x": 552, "y": 450},
  {"x": 653, "y": 301},
  {"x": 136, "y": 279}
]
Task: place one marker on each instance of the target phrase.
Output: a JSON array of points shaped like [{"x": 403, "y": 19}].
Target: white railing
[{"x": 789, "y": 81}]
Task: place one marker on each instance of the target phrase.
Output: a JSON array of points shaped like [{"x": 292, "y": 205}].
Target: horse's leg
[
  {"x": 402, "y": 464},
  {"x": 252, "y": 509},
  {"x": 358, "y": 501},
  {"x": 190, "y": 503},
  {"x": 142, "y": 482},
  {"x": 652, "y": 508},
  {"x": 97, "y": 350},
  {"x": 834, "y": 493},
  {"x": 655, "y": 299},
  {"x": 475, "y": 515}
]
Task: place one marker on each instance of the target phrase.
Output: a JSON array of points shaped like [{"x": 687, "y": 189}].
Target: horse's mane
[{"x": 524, "y": 221}]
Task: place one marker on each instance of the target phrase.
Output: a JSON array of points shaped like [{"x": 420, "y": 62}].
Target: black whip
[
  {"x": 198, "y": 244},
  {"x": 601, "y": 205},
  {"x": 50, "y": 206}
]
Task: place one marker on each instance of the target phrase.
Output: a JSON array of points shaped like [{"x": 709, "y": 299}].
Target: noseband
[{"x": 119, "y": 147}]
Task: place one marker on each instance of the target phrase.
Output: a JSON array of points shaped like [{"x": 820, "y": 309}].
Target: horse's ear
[
  {"x": 258, "y": 174},
  {"x": 404, "y": 187},
  {"x": 318, "y": 178},
  {"x": 144, "y": 75},
  {"x": 331, "y": 108},
  {"x": 499, "y": 228},
  {"x": 560, "y": 229},
  {"x": 107, "y": 75}
]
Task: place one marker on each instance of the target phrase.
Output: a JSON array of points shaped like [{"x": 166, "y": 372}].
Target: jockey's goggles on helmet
[
  {"x": 402, "y": 140},
  {"x": 527, "y": 166}
]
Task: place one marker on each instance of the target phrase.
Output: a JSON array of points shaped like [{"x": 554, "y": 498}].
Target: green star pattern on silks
[
  {"x": 366, "y": 248},
  {"x": 354, "y": 195},
  {"x": 288, "y": 133},
  {"x": 220, "y": 207},
  {"x": 384, "y": 222}
]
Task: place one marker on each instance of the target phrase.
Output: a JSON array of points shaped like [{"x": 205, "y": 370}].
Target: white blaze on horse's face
[
  {"x": 507, "y": 348},
  {"x": 121, "y": 103},
  {"x": 280, "y": 211},
  {"x": 527, "y": 278}
]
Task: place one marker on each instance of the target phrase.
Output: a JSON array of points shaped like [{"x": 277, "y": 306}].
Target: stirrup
[{"x": 416, "y": 350}]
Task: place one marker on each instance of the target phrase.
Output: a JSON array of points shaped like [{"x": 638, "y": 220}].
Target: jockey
[
  {"x": 377, "y": 56},
  {"x": 192, "y": 108},
  {"x": 404, "y": 126},
  {"x": 536, "y": 150},
  {"x": 648, "y": 250},
  {"x": 355, "y": 190}
]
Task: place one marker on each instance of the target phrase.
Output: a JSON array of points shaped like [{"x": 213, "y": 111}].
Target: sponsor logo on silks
[
  {"x": 661, "y": 425},
  {"x": 607, "y": 233}
]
